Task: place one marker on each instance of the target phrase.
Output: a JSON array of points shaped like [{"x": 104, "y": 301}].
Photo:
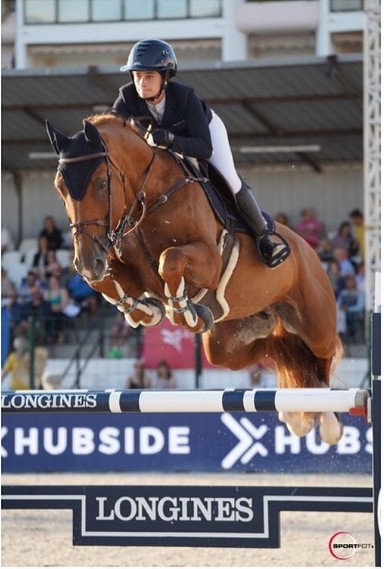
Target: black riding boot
[{"x": 272, "y": 251}]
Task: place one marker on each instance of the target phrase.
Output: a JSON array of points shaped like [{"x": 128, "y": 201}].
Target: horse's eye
[{"x": 102, "y": 184}]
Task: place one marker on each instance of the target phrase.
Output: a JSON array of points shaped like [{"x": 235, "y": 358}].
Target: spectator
[
  {"x": 18, "y": 364},
  {"x": 30, "y": 282},
  {"x": 310, "y": 228},
  {"x": 6, "y": 283},
  {"x": 15, "y": 364},
  {"x": 41, "y": 259},
  {"x": 282, "y": 218},
  {"x": 120, "y": 332},
  {"x": 164, "y": 378},
  {"x": 40, "y": 310},
  {"x": 58, "y": 298},
  {"x": 358, "y": 230},
  {"x": 80, "y": 291},
  {"x": 15, "y": 310},
  {"x": 7, "y": 243},
  {"x": 352, "y": 302},
  {"x": 53, "y": 266},
  {"x": 345, "y": 240},
  {"x": 138, "y": 379},
  {"x": 325, "y": 252},
  {"x": 335, "y": 277},
  {"x": 51, "y": 233},
  {"x": 346, "y": 266},
  {"x": 360, "y": 277}
]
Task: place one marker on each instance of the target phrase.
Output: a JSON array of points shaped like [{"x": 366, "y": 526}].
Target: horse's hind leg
[
  {"x": 195, "y": 265},
  {"x": 298, "y": 367}
]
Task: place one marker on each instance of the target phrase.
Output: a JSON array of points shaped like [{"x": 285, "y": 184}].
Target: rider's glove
[{"x": 162, "y": 137}]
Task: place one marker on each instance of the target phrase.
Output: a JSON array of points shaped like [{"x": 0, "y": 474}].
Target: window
[
  {"x": 139, "y": 9},
  {"x": 102, "y": 11},
  {"x": 78, "y": 11},
  {"x": 346, "y": 5},
  {"x": 169, "y": 9},
  {"x": 39, "y": 11},
  {"x": 204, "y": 8},
  {"x": 73, "y": 11}
]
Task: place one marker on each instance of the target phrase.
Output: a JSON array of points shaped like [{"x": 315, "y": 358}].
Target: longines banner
[
  {"x": 176, "y": 442},
  {"x": 200, "y": 516}
]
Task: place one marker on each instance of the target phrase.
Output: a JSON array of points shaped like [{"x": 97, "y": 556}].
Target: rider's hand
[{"x": 162, "y": 137}]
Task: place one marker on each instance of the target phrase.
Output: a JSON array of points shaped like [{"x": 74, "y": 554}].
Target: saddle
[{"x": 219, "y": 195}]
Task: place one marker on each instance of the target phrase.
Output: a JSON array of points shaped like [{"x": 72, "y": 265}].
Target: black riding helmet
[{"x": 152, "y": 55}]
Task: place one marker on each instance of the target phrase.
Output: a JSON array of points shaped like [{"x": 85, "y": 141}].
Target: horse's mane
[{"x": 105, "y": 118}]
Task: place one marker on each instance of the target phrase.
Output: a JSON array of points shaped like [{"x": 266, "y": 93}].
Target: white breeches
[{"x": 222, "y": 157}]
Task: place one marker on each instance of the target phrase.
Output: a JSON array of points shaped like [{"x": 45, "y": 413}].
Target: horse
[{"x": 147, "y": 238}]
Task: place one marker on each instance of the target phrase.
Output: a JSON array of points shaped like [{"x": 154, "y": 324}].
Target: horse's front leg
[
  {"x": 198, "y": 266},
  {"x": 136, "y": 309}
]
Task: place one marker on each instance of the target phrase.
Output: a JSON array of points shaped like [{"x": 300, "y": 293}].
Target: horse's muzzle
[{"x": 93, "y": 269}]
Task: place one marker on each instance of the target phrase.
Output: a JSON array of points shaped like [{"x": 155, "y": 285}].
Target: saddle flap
[{"x": 220, "y": 197}]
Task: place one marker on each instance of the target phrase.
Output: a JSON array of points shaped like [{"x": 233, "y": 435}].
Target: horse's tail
[{"x": 296, "y": 365}]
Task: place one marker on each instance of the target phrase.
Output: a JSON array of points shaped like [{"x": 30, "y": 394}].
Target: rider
[{"x": 184, "y": 124}]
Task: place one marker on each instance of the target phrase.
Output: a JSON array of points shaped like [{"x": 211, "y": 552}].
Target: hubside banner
[{"x": 213, "y": 442}]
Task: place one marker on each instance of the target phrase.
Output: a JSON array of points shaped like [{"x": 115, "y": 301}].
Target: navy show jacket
[{"x": 185, "y": 115}]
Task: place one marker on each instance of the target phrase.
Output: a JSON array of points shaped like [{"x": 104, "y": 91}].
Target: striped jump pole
[{"x": 312, "y": 400}]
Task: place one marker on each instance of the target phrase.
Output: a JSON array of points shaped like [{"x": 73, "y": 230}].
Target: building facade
[
  {"x": 51, "y": 33},
  {"x": 54, "y": 34}
]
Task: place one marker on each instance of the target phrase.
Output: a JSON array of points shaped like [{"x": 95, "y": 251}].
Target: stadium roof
[{"x": 286, "y": 111}]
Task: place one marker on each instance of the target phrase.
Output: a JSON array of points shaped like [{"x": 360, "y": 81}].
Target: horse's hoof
[
  {"x": 299, "y": 424},
  {"x": 330, "y": 427},
  {"x": 206, "y": 316},
  {"x": 157, "y": 304},
  {"x": 158, "y": 313}
]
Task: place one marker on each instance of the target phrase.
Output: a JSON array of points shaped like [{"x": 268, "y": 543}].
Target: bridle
[
  {"x": 113, "y": 236},
  {"x": 128, "y": 222}
]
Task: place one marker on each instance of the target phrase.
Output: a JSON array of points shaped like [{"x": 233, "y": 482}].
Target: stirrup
[{"x": 268, "y": 258}]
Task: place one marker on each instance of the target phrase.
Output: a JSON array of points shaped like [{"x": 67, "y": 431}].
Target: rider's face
[{"x": 147, "y": 83}]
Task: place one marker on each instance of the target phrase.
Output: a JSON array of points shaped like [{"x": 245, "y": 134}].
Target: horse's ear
[
  {"x": 58, "y": 139},
  {"x": 92, "y": 135}
]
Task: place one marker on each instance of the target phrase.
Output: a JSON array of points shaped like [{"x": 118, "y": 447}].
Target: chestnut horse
[{"x": 147, "y": 238}]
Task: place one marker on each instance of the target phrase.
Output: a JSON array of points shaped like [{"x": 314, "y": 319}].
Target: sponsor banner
[
  {"x": 213, "y": 442},
  {"x": 199, "y": 516},
  {"x": 174, "y": 344}
]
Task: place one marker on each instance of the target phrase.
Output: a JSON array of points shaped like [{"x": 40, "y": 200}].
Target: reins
[{"x": 128, "y": 222}]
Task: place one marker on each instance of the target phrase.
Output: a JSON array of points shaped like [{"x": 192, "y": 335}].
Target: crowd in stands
[
  {"x": 53, "y": 291},
  {"x": 163, "y": 377},
  {"x": 341, "y": 253}
]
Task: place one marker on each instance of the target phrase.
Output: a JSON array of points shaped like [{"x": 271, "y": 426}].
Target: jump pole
[{"x": 314, "y": 400}]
